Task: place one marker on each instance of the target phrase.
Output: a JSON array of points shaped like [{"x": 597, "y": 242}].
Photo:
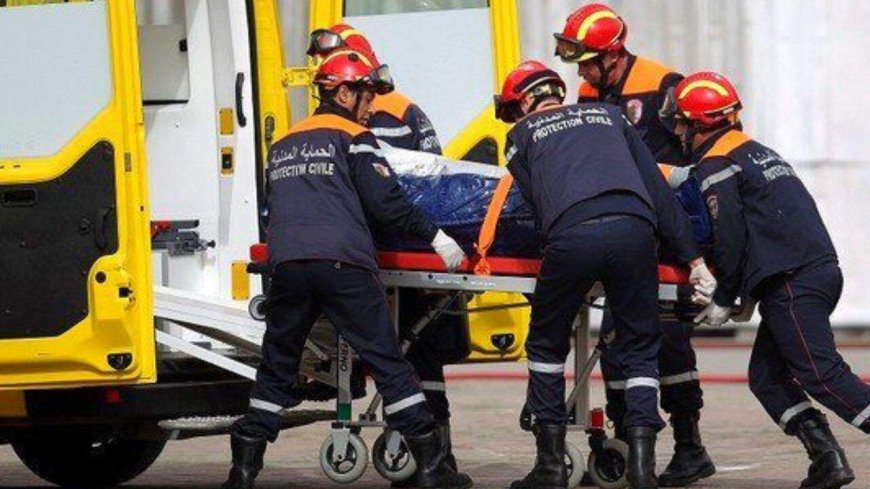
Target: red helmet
[
  {"x": 707, "y": 99},
  {"x": 530, "y": 76},
  {"x": 591, "y": 30},
  {"x": 324, "y": 41},
  {"x": 350, "y": 67}
]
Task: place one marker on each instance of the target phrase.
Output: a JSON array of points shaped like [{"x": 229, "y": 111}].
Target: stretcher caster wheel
[
  {"x": 574, "y": 464},
  {"x": 392, "y": 458},
  {"x": 256, "y": 309},
  {"x": 346, "y": 467},
  {"x": 608, "y": 471}
]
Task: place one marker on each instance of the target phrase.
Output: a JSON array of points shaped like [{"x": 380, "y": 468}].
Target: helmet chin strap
[{"x": 604, "y": 80}]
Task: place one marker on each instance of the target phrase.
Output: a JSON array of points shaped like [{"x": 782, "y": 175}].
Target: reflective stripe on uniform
[
  {"x": 267, "y": 406},
  {"x": 641, "y": 382},
  {"x": 616, "y": 385},
  {"x": 404, "y": 403},
  {"x": 364, "y": 148},
  {"x": 792, "y": 412},
  {"x": 720, "y": 176},
  {"x": 511, "y": 153},
  {"x": 680, "y": 378},
  {"x": 433, "y": 386},
  {"x": 391, "y": 132},
  {"x": 862, "y": 416},
  {"x": 547, "y": 368}
]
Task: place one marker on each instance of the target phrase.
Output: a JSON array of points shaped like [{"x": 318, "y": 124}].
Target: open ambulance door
[
  {"x": 450, "y": 57},
  {"x": 75, "y": 265}
]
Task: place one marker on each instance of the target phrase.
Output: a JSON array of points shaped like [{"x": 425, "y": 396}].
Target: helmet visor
[
  {"x": 382, "y": 80},
  {"x": 571, "y": 50},
  {"x": 669, "y": 112},
  {"x": 321, "y": 42}
]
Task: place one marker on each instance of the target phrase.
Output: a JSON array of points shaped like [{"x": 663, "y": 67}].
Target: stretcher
[{"x": 344, "y": 454}]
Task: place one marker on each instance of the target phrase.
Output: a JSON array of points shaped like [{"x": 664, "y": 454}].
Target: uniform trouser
[
  {"x": 444, "y": 340},
  {"x": 353, "y": 300},
  {"x": 680, "y": 389},
  {"x": 795, "y": 354},
  {"x": 621, "y": 254}
]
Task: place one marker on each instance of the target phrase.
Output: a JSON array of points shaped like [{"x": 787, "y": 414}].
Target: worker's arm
[
  {"x": 519, "y": 168},
  {"x": 382, "y": 199},
  {"x": 719, "y": 184},
  {"x": 425, "y": 138},
  {"x": 674, "y": 226}
]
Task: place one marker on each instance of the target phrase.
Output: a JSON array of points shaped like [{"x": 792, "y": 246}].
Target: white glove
[
  {"x": 448, "y": 250},
  {"x": 744, "y": 313},
  {"x": 714, "y": 315},
  {"x": 704, "y": 282}
]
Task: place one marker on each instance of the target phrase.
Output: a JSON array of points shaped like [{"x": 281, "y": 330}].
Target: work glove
[
  {"x": 704, "y": 282},
  {"x": 714, "y": 315},
  {"x": 450, "y": 252}
]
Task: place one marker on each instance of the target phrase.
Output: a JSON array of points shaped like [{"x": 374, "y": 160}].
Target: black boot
[
  {"x": 443, "y": 433},
  {"x": 549, "y": 471},
  {"x": 641, "y": 457},
  {"x": 432, "y": 469},
  {"x": 690, "y": 462},
  {"x": 829, "y": 468},
  {"x": 247, "y": 461}
]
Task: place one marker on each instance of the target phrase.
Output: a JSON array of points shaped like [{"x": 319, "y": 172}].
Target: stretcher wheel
[
  {"x": 574, "y": 465},
  {"x": 350, "y": 466},
  {"x": 609, "y": 470},
  {"x": 255, "y": 307},
  {"x": 397, "y": 467}
]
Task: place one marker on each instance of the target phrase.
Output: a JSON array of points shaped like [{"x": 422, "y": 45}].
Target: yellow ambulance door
[{"x": 75, "y": 263}]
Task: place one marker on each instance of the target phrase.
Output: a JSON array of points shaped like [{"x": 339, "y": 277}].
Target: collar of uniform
[
  {"x": 618, "y": 87},
  {"x": 720, "y": 144}
]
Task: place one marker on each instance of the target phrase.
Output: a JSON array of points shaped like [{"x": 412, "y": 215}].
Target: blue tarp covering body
[{"x": 457, "y": 203}]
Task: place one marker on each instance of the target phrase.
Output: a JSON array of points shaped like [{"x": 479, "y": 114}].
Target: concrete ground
[{"x": 748, "y": 448}]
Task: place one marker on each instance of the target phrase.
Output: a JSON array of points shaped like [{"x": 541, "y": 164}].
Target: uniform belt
[{"x": 603, "y": 219}]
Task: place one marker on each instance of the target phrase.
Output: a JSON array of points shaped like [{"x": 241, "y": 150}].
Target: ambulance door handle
[
  {"x": 240, "y": 113},
  {"x": 100, "y": 239}
]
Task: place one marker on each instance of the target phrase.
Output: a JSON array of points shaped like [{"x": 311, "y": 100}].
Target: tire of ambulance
[
  {"x": 352, "y": 465},
  {"x": 256, "y": 309},
  {"x": 609, "y": 471},
  {"x": 80, "y": 460},
  {"x": 574, "y": 463},
  {"x": 397, "y": 468}
]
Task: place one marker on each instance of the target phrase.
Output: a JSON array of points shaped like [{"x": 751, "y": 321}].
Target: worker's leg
[
  {"x": 795, "y": 309},
  {"x": 353, "y": 299},
  {"x": 614, "y": 379},
  {"x": 682, "y": 398},
  {"x": 630, "y": 281},
  {"x": 570, "y": 267},
  {"x": 291, "y": 309}
]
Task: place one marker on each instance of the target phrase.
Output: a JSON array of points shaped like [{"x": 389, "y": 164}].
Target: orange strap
[{"x": 490, "y": 222}]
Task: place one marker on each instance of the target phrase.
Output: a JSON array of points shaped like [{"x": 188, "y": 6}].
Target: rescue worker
[
  {"x": 600, "y": 201},
  {"x": 397, "y": 122},
  {"x": 770, "y": 245},
  {"x": 330, "y": 185},
  {"x": 394, "y": 119},
  {"x": 594, "y": 38}
]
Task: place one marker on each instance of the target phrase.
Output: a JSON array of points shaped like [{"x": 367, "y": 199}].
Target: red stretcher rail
[{"x": 431, "y": 262}]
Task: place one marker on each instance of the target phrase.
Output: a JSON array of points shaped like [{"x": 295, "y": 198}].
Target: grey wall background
[{"x": 800, "y": 66}]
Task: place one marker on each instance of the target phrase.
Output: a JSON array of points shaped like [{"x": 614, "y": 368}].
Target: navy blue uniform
[
  {"x": 398, "y": 122},
  {"x": 770, "y": 243},
  {"x": 640, "y": 93},
  {"x": 600, "y": 200},
  {"x": 328, "y": 184}
]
